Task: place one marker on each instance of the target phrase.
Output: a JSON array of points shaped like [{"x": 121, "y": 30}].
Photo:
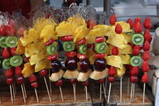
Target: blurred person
[{"x": 21, "y": 7}]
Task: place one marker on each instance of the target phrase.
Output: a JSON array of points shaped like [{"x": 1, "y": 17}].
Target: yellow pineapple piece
[
  {"x": 125, "y": 58},
  {"x": 42, "y": 64},
  {"x": 89, "y": 53},
  {"x": 128, "y": 37},
  {"x": 90, "y": 39},
  {"x": 27, "y": 70},
  {"x": 120, "y": 71},
  {"x": 125, "y": 26},
  {"x": 126, "y": 50},
  {"x": 20, "y": 48}
]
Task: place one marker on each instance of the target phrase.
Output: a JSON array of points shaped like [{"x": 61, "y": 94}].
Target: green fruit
[
  {"x": 82, "y": 49},
  {"x": 135, "y": 60},
  {"x": 137, "y": 39},
  {"x": 131, "y": 33},
  {"x": 16, "y": 60},
  {"x": 2, "y": 42},
  {"x": 11, "y": 41},
  {"x": 51, "y": 49},
  {"x": 100, "y": 47},
  {"x": 6, "y": 64},
  {"x": 68, "y": 46}
]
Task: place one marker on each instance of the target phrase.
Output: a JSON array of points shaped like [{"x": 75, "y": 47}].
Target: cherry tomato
[
  {"x": 118, "y": 29},
  {"x": 52, "y": 57},
  {"x": 82, "y": 41},
  {"x": 81, "y": 56},
  {"x": 70, "y": 54},
  {"x": 99, "y": 39},
  {"x": 66, "y": 38},
  {"x": 100, "y": 55},
  {"x": 49, "y": 42}
]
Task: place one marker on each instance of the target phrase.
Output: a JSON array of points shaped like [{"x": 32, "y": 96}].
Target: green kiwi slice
[
  {"x": 51, "y": 49},
  {"x": 2, "y": 42},
  {"x": 68, "y": 46},
  {"x": 11, "y": 41},
  {"x": 100, "y": 47},
  {"x": 82, "y": 49},
  {"x": 131, "y": 33},
  {"x": 16, "y": 60},
  {"x": 6, "y": 64},
  {"x": 137, "y": 39},
  {"x": 135, "y": 60}
]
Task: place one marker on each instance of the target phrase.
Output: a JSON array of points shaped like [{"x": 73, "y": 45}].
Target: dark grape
[
  {"x": 71, "y": 63},
  {"x": 84, "y": 65},
  {"x": 56, "y": 65},
  {"x": 100, "y": 64}
]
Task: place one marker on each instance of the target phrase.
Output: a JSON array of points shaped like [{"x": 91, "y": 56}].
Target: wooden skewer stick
[
  {"x": 47, "y": 89},
  {"x": 86, "y": 92},
  {"x": 61, "y": 93},
  {"x": 23, "y": 93},
  {"x": 14, "y": 87},
  {"x": 121, "y": 88},
  {"x": 74, "y": 91},
  {"x": 13, "y": 90},
  {"x": 36, "y": 94},
  {"x": 24, "y": 90},
  {"x": 100, "y": 91},
  {"x": 11, "y": 94},
  {"x": 104, "y": 90},
  {"x": 109, "y": 92},
  {"x": 50, "y": 85},
  {"x": 0, "y": 101},
  {"x": 144, "y": 92},
  {"x": 128, "y": 86},
  {"x": 133, "y": 92}
]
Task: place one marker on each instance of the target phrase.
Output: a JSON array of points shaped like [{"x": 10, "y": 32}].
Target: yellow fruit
[
  {"x": 120, "y": 71},
  {"x": 27, "y": 70},
  {"x": 125, "y": 26},
  {"x": 126, "y": 50},
  {"x": 90, "y": 39},
  {"x": 125, "y": 58},
  {"x": 42, "y": 64},
  {"x": 20, "y": 49},
  {"x": 89, "y": 53}
]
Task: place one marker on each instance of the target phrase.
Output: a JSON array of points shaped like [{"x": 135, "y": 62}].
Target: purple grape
[
  {"x": 71, "y": 63},
  {"x": 84, "y": 65},
  {"x": 100, "y": 64},
  {"x": 56, "y": 65}
]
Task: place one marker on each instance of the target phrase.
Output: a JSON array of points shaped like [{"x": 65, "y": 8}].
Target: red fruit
[
  {"x": 136, "y": 20},
  {"x": 147, "y": 23},
  {"x": 59, "y": 82},
  {"x": 10, "y": 30},
  {"x": 32, "y": 78},
  {"x": 12, "y": 50},
  {"x": 145, "y": 66},
  {"x": 111, "y": 79},
  {"x": 112, "y": 71},
  {"x": 118, "y": 29},
  {"x": 130, "y": 23},
  {"x": 136, "y": 50},
  {"x": 89, "y": 46},
  {"x": 20, "y": 80},
  {"x": 131, "y": 44},
  {"x": 26, "y": 59},
  {"x": 49, "y": 42},
  {"x": 10, "y": 80},
  {"x": 82, "y": 41},
  {"x": 71, "y": 54},
  {"x": 18, "y": 71},
  {"x": 47, "y": 15},
  {"x": 73, "y": 81},
  {"x": 52, "y": 57},
  {"x": 134, "y": 71},
  {"x": 67, "y": 38},
  {"x": 128, "y": 73},
  {"x": 146, "y": 46},
  {"x": 81, "y": 56},
  {"x": 146, "y": 56},
  {"x": 3, "y": 30},
  {"x": 5, "y": 53},
  {"x": 145, "y": 78},
  {"x": 101, "y": 81},
  {"x": 128, "y": 67},
  {"x": 138, "y": 28},
  {"x": 112, "y": 19},
  {"x": 101, "y": 55},
  {"x": 99, "y": 39},
  {"x": 20, "y": 32},
  {"x": 85, "y": 83},
  {"x": 34, "y": 84},
  {"x": 43, "y": 72},
  {"x": 115, "y": 50},
  {"x": 147, "y": 36},
  {"x": 91, "y": 23},
  {"x": 133, "y": 79},
  {"x": 9, "y": 73}
]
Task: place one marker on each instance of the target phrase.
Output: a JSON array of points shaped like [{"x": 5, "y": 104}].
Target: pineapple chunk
[
  {"x": 121, "y": 71},
  {"x": 20, "y": 49},
  {"x": 27, "y": 70},
  {"x": 42, "y": 64}
]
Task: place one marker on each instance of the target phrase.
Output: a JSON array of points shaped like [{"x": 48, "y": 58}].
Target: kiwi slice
[
  {"x": 68, "y": 46},
  {"x": 137, "y": 39},
  {"x": 2, "y": 42},
  {"x": 100, "y": 47},
  {"x": 82, "y": 49},
  {"x": 135, "y": 60},
  {"x": 11, "y": 41},
  {"x": 51, "y": 49},
  {"x": 131, "y": 33},
  {"x": 6, "y": 64},
  {"x": 16, "y": 60}
]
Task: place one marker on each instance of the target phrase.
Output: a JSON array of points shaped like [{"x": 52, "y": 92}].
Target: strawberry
[
  {"x": 138, "y": 28},
  {"x": 99, "y": 39},
  {"x": 67, "y": 38},
  {"x": 18, "y": 71},
  {"x": 5, "y": 53},
  {"x": 52, "y": 57},
  {"x": 32, "y": 78},
  {"x": 34, "y": 84},
  {"x": 111, "y": 79},
  {"x": 9, "y": 73},
  {"x": 146, "y": 46},
  {"x": 112, "y": 71},
  {"x": 10, "y": 80},
  {"x": 85, "y": 83},
  {"x": 115, "y": 50},
  {"x": 100, "y": 55},
  {"x": 112, "y": 19},
  {"x": 12, "y": 51},
  {"x": 134, "y": 71},
  {"x": 136, "y": 20},
  {"x": 71, "y": 54},
  {"x": 133, "y": 79},
  {"x": 145, "y": 78},
  {"x": 146, "y": 56},
  {"x": 147, "y": 23},
  {"x": 118, "y": 29},
  {"x": 3, "y": 30},
  {"x": 145, "y": 66},
  {"x": 129, "y": 21},
  {"x": 136, "y": 50},
  {"x": 49, "y": 42},
  {"x": 81, "y": 56},
  {"x": 82, "y": 41},
  {"x": 20, "y": 80},
  {"x": 43, "y": 72},
  {"x": 147, "y": 36},
  {"x": 10, "y": 30}
]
